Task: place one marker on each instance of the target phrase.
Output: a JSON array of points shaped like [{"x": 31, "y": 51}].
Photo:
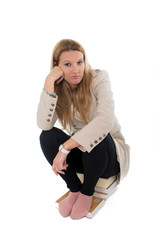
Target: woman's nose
[{"x": 75, "y": 69}]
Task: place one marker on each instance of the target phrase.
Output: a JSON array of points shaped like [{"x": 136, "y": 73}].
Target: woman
[{"x": 81, "y": 99}]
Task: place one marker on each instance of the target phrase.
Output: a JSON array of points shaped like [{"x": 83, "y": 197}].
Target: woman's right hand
[{"x": 56, "y": 75}]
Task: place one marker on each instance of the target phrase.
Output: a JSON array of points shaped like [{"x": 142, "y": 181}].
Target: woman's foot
[
  {"x": 65, "y": 206},
  {"x": 81, "y": 207}
]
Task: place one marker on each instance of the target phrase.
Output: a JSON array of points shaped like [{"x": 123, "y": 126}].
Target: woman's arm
[
  {"x": 98, "y": 128},
  {"x": 70, "y": 144},
  {"x": 46, "y": 114},
  {"x": 59, "y": 162}
]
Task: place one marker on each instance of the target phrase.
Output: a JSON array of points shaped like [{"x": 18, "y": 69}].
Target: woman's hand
[
  {"x": 56, "y": 75},
  {"x": 59, "y": 163}
]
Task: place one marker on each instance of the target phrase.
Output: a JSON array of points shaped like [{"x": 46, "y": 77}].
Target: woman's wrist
[
  {"x": 63, "y": 149},
  {"x": 70, "y": 144},
  {"x": 65, "y": 145},
  {"x": 49, "y": 86},
  {"x": 50, "y": 94}
]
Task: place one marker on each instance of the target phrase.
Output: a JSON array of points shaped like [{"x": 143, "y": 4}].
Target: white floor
[{"x": 121, "y": 37}]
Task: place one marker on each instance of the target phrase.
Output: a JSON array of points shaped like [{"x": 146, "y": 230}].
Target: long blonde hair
[{"x": 80, "y": 98}]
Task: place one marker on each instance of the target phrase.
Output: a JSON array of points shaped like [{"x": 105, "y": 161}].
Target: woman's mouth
[{"x": 76, "y": 76}]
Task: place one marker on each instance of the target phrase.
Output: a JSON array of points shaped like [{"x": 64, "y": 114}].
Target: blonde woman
[{"x": 81, "y": 99}]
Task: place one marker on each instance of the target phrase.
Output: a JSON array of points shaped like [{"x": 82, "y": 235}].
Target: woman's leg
[
  {"x": 50, "y": 141},
  {"x": 100, "y": 162}
]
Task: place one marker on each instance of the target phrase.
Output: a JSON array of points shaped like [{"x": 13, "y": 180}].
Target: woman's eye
[
  {"x": 80, "y": 62},
  {"x": 67, "y": 64}
]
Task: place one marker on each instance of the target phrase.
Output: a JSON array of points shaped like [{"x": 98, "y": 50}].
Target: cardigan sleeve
[
  {"x": 46, "y": 114},
  {"x": 98, "y": 128}
]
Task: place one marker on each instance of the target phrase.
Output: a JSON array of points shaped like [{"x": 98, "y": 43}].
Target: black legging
[{"x": 100, "y": 162}]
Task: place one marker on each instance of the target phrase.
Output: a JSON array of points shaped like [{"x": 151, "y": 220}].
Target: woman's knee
[
  {"x": 49, "y": 144},
  {"x": 47, "y": 136},
  {"x": 53, "y": 136}
]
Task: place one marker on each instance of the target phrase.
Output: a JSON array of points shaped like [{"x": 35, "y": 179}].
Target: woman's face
[{"x": 72, "y": 65}]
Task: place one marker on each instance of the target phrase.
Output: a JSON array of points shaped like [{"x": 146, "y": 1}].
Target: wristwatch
[{"x": 62, "y": 149}]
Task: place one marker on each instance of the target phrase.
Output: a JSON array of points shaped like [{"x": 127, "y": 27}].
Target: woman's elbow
[{"x": 43, "y": 126}]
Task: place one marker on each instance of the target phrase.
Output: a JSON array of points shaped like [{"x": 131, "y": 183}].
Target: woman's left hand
[{"x": 59, "y": 163}]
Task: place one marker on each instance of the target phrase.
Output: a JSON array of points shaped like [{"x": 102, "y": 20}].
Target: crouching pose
[{"x": 81, "y": 99}]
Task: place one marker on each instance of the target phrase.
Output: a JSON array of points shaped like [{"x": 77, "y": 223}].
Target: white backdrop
[{"x": 121, "y": 37}]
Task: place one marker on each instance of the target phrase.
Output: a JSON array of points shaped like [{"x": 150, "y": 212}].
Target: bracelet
[{"x": 50, "y": 94}]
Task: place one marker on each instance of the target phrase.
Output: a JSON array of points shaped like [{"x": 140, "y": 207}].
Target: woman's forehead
[{"x": 71, "y": 55}]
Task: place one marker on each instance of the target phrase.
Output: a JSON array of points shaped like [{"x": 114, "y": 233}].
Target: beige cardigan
[{"x": 102, "y": 120}]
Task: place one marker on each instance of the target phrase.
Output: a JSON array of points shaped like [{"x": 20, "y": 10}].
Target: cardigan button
[
  {"x": 52, "y": 104},
  {"x": 48, "y": 120},
  {"x": 51, "y": 109},
  {"x": 49, "y": 115},
  {"x": 95, "y": 141},
  {"x": 100, "y": 138},
  {"x": 91, "y": 145}
]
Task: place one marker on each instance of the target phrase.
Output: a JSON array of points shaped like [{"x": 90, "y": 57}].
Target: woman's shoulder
[{"x": 99, "y": 76}]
